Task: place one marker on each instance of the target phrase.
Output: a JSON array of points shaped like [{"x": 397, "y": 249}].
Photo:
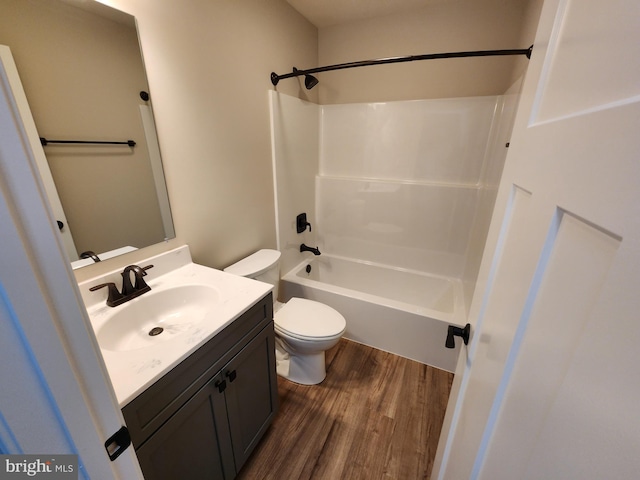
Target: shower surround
[{"x": 408, "y": 186}]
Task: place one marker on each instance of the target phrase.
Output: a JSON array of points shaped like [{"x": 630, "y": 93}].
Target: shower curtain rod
[{"x": 275, "y": 78}]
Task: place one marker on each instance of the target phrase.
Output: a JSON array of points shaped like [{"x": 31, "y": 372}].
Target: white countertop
[{"x": 133, "y": 371}]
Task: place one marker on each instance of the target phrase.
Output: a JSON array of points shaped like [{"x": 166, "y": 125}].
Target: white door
[
  {"x": 55, "y": 395},
  {"x": 550, "y": 387}
]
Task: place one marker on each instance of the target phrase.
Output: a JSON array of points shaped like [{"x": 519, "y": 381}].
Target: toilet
[{"x": 304, "y": 329}]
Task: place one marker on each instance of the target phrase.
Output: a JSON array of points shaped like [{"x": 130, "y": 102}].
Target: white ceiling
[{"x": 324, "y": 13}]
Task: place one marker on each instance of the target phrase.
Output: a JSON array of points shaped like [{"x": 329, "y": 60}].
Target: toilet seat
[{"x": 308, "y": 320}]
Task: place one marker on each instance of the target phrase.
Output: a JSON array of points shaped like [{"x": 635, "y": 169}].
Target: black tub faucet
[
  {"x": 304, "y": 248},
  {"x": 454, "y": 331}
]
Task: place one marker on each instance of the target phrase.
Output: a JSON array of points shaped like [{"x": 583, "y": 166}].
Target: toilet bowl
[{"x": 304, "y": 328}]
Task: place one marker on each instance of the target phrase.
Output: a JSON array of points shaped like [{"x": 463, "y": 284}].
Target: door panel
[
  {"x": 572, "y": 270},
  {"x": 551, "y": 381},
  {"x": 592, "y": 60}
]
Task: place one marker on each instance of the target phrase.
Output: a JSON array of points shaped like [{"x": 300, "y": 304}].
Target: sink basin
[
  {"x": 189, "y": 304},
  {"x": 157, "y": 316}
]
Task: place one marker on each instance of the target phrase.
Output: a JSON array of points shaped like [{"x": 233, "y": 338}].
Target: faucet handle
[
  {"x": 301, "y": 223},
  {"x": 115, "y": 297},
  {"x": 144, "y": 269}
]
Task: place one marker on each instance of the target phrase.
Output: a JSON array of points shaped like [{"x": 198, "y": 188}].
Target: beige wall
[
  {"x": 440, "y": 27},
  {"x": 208, "y": 64}
]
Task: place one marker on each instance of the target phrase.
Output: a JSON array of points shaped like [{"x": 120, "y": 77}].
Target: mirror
[{"x": 82, "y": 71}]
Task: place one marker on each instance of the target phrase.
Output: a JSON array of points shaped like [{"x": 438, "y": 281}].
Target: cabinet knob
[
  {"x": 222, "y": 385},
  {"x": 231, "y": 375}
]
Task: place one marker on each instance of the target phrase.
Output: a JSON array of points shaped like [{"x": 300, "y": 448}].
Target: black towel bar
[{"x": 45, "y": 142}]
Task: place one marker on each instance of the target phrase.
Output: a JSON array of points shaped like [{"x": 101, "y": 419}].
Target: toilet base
[{"x": 307, "y": 369}]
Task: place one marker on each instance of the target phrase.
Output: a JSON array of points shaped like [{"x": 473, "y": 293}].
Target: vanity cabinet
[{"x": 204, "y": 417}]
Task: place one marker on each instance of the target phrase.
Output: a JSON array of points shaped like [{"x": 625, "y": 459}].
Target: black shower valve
[{"x": 301, "y": 223}]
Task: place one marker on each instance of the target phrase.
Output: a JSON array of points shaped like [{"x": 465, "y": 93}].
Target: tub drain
[{"x": 156, "y": 331}]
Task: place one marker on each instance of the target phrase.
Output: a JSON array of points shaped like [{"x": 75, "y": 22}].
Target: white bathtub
[{"x": 400, "y": 311}]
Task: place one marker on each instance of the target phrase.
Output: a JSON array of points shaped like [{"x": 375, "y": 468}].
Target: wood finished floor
[{"x": 375, "y": 416}]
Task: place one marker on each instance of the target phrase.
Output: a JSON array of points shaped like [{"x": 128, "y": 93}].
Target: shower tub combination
[
  {"x": 407, "y": 184},
  {"x": 397, "y": 310}
]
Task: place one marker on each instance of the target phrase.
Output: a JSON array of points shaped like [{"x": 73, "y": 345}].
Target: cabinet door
[
  {"x": 252, "y": 393},
  {"x": 194, "y": 443}
]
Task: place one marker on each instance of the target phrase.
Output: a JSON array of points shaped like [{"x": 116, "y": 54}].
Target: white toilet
[{"x": 304, "y": 329}]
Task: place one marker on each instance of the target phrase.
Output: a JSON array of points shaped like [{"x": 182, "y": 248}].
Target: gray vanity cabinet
[
  {"x": 191, "y": 443},
  {"x": 203, "y": 419},
  {"x": 251, "y": 394}
]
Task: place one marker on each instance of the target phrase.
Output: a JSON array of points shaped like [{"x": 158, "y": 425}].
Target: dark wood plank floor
[{"x": 375, "y": 416}]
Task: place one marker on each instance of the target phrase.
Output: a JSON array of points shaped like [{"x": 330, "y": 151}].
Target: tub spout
[
  {"x": 304, "y": 248},
  {"x": 457, "y": 331}
]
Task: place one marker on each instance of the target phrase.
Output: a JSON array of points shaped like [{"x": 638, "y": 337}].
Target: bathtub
[{"x": 397, "y": 310}]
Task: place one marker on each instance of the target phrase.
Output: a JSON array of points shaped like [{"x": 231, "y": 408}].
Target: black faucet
[
  {"x": 140, "y": 286},
  {"x": 304, "y": 248},
  {"x": 91, "y": 255},
  {"x": 454, "y": 331},
  {"x": 129, "y": 291}
]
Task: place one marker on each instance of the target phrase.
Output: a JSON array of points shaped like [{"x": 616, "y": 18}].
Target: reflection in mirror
[{"x": 81, "y": 68}]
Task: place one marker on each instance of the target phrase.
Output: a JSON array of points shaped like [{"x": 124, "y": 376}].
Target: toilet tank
[{"x": 262, "y": 265}]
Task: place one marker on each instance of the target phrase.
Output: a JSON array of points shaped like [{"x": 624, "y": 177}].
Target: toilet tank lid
[{"x": 255, "y": 264}]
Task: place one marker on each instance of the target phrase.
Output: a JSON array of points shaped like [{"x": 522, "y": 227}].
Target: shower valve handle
[{"x": 301, "y": 223}]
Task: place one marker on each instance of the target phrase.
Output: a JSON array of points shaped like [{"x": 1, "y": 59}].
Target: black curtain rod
[
  {"x": 275, "y": 78},
  {"x": 45, "y": 142}
]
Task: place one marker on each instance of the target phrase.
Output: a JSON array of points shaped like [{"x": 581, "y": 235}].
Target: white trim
[
  {"x": 153, "y": 148},
  {"x": 272, "y": 98}
]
